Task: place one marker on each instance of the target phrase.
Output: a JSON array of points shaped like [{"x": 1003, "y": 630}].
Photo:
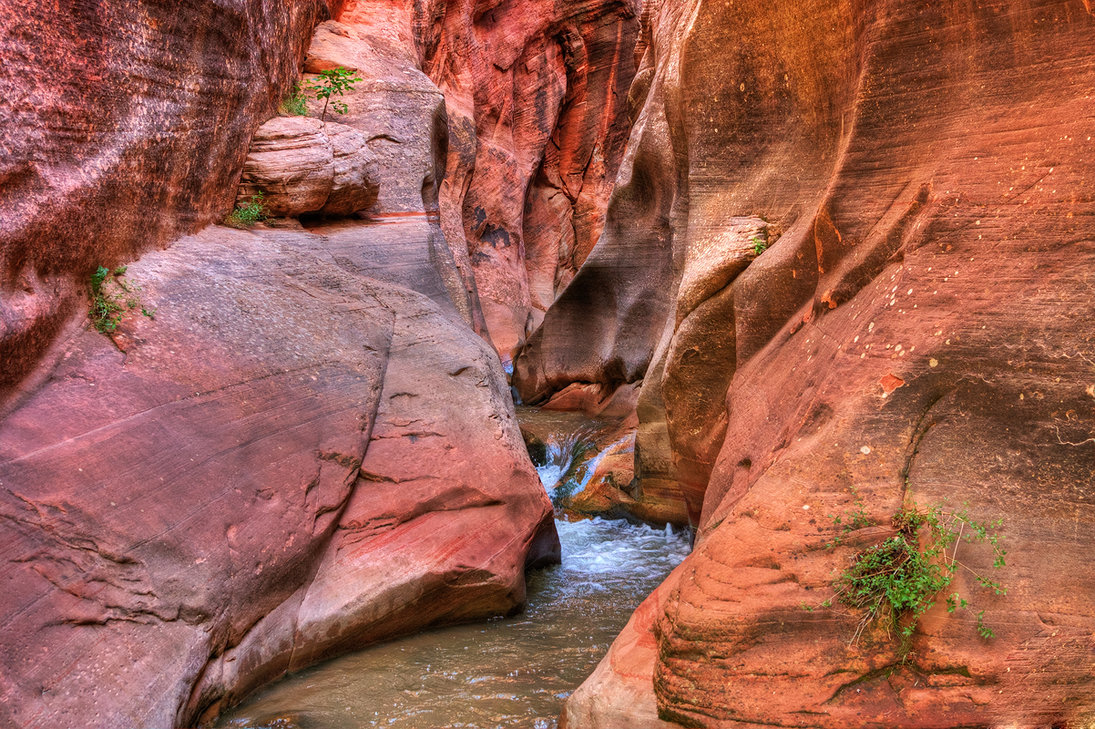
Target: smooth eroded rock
[
  {"x": 301, "y": 165},
  {"x": 910, "y": 337},
  {"x": 123, "y": 126},
  {"x": 276, "y": 468}
]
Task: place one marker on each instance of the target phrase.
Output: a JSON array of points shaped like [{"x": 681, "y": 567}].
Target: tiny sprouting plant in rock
[
  {"x": 247, "y": 214},
  {"x": 848, "y": 523},
  {"x": 334, "y": 82},
  {"x": 111, "y": 297},
  {"x": 295, "y": 102},
  {"x": 759, "y": 246},
  {"x": 897, "y": 580}
]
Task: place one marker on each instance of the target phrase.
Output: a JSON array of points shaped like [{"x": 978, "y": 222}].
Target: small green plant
[
  {"x": 111, "y": 297},
  {"x": 334, "y": 82},
  {"x": 247, "y": 214},
  {"x": 295, "y": 102},
  {"x": 848, "y": 523},
  {"x": 759, "y": 246},
  {"x": 897, "y": 580}
]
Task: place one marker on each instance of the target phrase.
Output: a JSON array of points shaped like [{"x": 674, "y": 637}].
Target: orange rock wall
[{"x": 914, "y": 333}]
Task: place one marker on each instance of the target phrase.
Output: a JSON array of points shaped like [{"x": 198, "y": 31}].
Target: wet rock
[
  {"x": 617, "y": 693},
  {"x": 277, "y": 468}
]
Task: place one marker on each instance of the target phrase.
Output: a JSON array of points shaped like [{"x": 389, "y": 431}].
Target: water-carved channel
[{"x": 513, "y": 672}]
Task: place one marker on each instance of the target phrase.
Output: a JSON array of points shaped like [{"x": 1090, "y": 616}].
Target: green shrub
[
  {"x": 295, "y": 103},
  {"x": 247, "y": 214},
  {"x": 334, "y": 82},
  {"x": 759, "y": 246},
  {"x": 897, "y": 580},
  {"x": 111, "y": 297}
]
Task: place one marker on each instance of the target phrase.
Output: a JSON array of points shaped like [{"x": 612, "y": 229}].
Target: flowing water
[{"x": 513, "y": 672}]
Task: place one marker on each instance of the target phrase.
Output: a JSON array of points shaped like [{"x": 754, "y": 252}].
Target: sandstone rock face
[
  {"x": 276, "y": 468},
  {"x": 910, "y": 335},
  {"x": 535, "y": 93},
  {"x": 507, "y": 123},
  {"x": 94, "y": 170},
  {"x": 301, "y": 165},
  {"x": 401, "y": 115}
]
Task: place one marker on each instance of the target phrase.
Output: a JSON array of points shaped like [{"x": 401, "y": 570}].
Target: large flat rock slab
[{"x": 288, "y": 461}]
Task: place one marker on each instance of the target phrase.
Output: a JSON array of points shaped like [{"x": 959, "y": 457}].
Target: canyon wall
[
  {"x": 536, "y": 97},
  {"x": 122, "y": 125},
  {"x": 849, "y": 261},
  {"x": 265, "y": 459}
]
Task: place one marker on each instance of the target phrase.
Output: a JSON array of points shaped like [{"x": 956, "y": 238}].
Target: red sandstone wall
[
  {"x": 122, "y": 126},
  {"x": 536, "y": 97}
]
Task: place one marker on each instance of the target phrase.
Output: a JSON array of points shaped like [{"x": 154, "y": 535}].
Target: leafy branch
[
  {"x": 333, "y": 82},
  {"x": 897, "y": 580}
]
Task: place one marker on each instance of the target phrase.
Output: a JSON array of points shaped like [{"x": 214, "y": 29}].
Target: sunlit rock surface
[
  {"x": 277, "y": 468},
  {"x": 914, "y": 332}
]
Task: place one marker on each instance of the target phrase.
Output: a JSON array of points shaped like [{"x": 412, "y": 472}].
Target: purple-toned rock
[
  {"x": 276, "y": 468},
  {"x": 123, "y": 127}
]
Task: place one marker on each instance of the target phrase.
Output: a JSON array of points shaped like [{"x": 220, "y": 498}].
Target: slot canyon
[{"x": 595, "y": 364}]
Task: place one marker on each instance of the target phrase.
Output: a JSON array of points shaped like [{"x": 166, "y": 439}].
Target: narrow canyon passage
[
  {"x": 509, "y": 672},
  {"x": 316, "y": 316}
]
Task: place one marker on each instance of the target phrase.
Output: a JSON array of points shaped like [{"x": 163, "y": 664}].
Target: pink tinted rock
[
  {"x": 188, "y": 519},
  {"x": 95, "y": 169},
  {"x": 534, "y": 92},
  {"x": 401, "y": 115},
  {"x": 300, "y": 165}
]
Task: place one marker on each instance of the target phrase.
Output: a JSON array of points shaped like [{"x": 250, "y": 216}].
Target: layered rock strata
[
  {"x": 298, "y": 165},
  {"x": 276, "y": 464},
  {"x": 529, "y": 118},
  {"x": 400, "y": 114},
  {"x": 275, "y": 468},
  {"x": 848, "y": 260},
  {"x": 536, "y": 98}
]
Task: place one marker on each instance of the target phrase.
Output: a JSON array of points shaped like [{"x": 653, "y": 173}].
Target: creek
[{"x": 512, "y": 672}]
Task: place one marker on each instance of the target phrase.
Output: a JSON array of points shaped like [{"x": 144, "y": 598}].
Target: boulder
[
  {"x": 275, "y": 468},
  {"x": 300, "y": 165}
]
